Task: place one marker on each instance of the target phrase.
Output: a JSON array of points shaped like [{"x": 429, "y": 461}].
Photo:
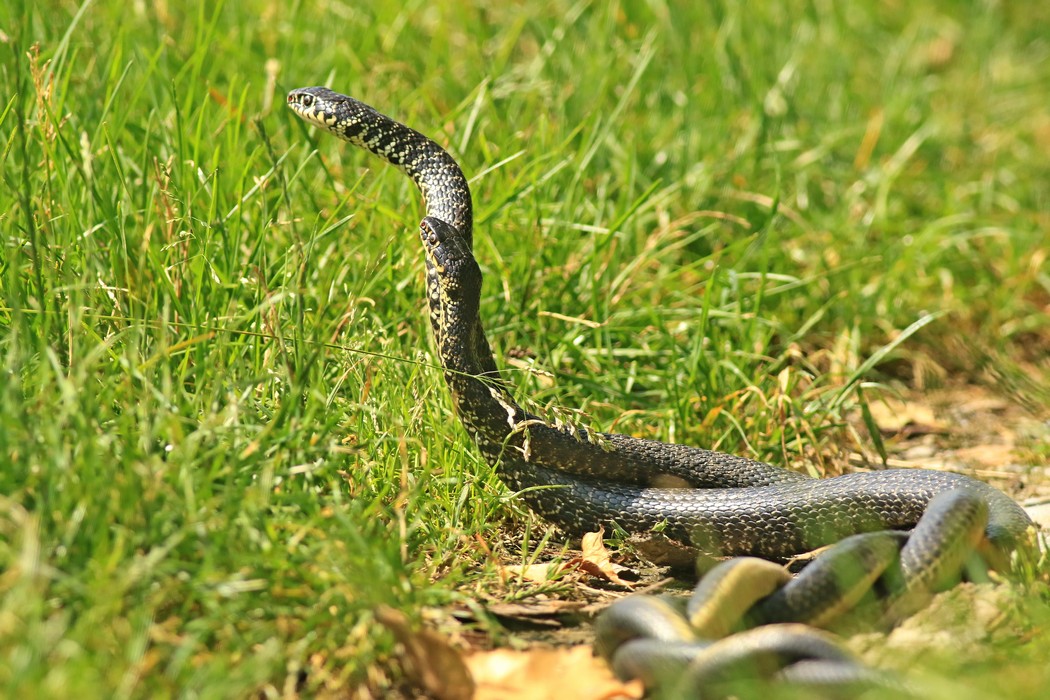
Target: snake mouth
[{"x": 312, "y": 107}]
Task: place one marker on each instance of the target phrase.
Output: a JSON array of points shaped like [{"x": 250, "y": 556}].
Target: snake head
[
  {"x": 443, "y": 241},
  {"x": 449, "y": 254},
  {"x": 323, "y": 107}
]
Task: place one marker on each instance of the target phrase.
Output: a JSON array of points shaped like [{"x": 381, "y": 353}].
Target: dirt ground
[
  {"x": 520, "y": 644},
  {"x": 972, "y": 431}
]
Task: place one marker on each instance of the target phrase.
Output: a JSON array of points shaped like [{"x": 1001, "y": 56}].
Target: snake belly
[{"x": 579, "y": 479}]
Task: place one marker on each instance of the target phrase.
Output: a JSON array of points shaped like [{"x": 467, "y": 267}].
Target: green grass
[{"x": 222, "y": 435}]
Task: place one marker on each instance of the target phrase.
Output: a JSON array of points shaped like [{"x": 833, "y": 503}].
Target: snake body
[
  {"x": 580, "y": 479},
  {"x": 735, "y": 506}
]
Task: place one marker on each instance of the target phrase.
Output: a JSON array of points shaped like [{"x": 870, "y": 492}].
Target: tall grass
[{"x": 222, "y": 434}]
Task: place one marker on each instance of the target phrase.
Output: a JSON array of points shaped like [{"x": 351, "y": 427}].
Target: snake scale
[{"x": 735, "y": 505}]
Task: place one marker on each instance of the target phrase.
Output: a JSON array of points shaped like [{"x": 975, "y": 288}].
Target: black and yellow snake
[{"x": 735, "y": 506}]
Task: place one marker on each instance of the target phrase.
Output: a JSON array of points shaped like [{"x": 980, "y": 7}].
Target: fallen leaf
[
  {"x": 538, "y": 674},
  {"x": 548, "y": 613},
  {"x": 596, "y": 559},
  {"x": 545, "y": 608},
  {"x": 987, "y": 455},
  {"x": 442, "y": 672},
  {"x": 974, "y": 400},
  {"x": 537, "y": 573},
  {"x": 1040, "y": 514},
  {"x": 895, "y": 417},
  {"x": 431, "y": 663},
  {"x": 664, "y": 551}
]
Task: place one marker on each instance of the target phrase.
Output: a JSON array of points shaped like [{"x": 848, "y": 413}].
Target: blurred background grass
[{"x": 222, "y": 433}]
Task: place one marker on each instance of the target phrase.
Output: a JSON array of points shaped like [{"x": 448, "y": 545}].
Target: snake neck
[
  {"x": 508, "y": 434},
  {"x": 480, "y": 396},
  {"x": 438, "y": 176},
  {"x": 446, "y": 194}
]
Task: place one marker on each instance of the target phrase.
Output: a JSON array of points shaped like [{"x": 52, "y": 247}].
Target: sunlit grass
[{"x": 224, "y": 439}]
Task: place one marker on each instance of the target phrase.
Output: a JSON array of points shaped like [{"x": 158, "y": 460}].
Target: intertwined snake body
[{"x": 735, "y": 506}]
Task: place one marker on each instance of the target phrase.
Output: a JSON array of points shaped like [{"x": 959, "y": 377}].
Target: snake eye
[{"x": 306, "y": 100}]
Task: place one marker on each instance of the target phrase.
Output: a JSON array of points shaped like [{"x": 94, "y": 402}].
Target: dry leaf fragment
[
  {"x": 895, "y": 417},
  {"x": 443, "y": 673},
  {"x": 539, "y": 674},
  {"x": 550, "y": 613},
  {"x": 596, "y": 560},
  {"x": 661, "y": 550},
  {"x": 537, "y": 573},
  {"x": 987, "y": 455},
  {"x": 431, "y": 662}
]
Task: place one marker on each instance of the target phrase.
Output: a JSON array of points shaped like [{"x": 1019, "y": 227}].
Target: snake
[
  {"x": 580, "y": 479},
  {"x": 866, "y": 580}
]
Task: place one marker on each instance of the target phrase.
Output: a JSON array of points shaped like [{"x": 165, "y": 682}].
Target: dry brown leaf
[
  {"x": 661, "y": 550},
  {"x": 596, "y": 560},
  {"x": 543, "y": 608},
  {"x": 430, "y": 661},
  {"x": 977, "y": 400},
  {"x": 537, "y": 573},
  {"x": 538, "y": 674},
  {"x": 442, "y": 672},
  {"x": 549, "y": 610},
  {"x": 910, "y": 418},
  {"x": 1040, "y": 514}
]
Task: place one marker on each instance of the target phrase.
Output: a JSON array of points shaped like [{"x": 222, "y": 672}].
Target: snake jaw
[
  {"x": 304, "y": 103},
  {"x": 450, "y": 255}
]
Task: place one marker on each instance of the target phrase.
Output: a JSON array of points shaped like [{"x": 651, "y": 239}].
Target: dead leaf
[
  {"x": 664, "y": 551},
  {"x": 596, "y": 560},
  {"x": 543, "y": 608},
  {"x": 431, "y": 663},
  {"x": 896, "y": 417},
  {"x": 537, "y": 573},
  {"x": 1040, "y": 514},
  {"x": 975, "y": 401},
  {"x": 549, "y": 613},
  {"x": 442, "y": 672},
  {"x": 538, "y": 674}
]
